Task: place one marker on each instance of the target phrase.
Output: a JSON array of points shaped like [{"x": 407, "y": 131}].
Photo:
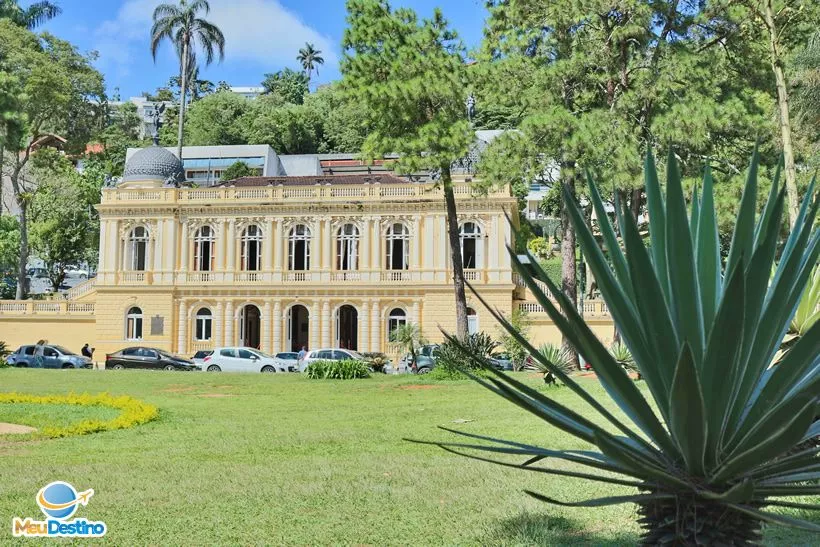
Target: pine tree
[{"x": 410, "y": 76}]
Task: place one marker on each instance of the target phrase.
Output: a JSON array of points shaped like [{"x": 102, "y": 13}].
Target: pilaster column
[
  {"x": 327, "y": 241},
  {"x": 268, "y": 246},
  {"x": 417, "y": 241},
  {"x": 326, "y": 324},
  {"x": 265, "y": 326},
  {"x": 313, "y": 342},
  {"x": 229, "y": 336},
  {"x": 364, "y": 255},
  {"x": 277, "y": 327},
  {"x": 414, "y": 313},
  {"x": 103, "y": 254},
  {"x": 364, "y": 327},
  {"x": 158, "y": 242},
  {"x": 279, "y": 245},
  {"x": 182, "y": 335},
  {"x": 218, "y": 325},
  {"x": 376, "y": 245},
  {"x": 375, "y": 340},
  {"x": 493, "y": 249},
  {"x": 184, "y": 247},
  {"x": 230, "y": 240}
]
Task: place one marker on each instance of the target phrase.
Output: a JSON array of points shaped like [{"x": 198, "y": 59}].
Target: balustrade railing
[{"x": 51, "y": 308}]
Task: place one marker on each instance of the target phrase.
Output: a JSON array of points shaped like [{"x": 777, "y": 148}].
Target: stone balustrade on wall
[{"x": 45, "y": 307}]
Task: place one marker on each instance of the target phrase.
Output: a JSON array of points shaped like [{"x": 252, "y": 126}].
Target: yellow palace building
[{"x": 280, "y": 262}]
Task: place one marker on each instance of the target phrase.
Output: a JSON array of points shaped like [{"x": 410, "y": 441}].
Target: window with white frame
[
  {"x": 204, "y": 247},
  {"x": 133, "y": 324},
  {"x": 299, "y": 248},
  {"x": 398, "y": 247},
  {"x": 471, "y": 246},
  {"x": 347, "y": 248},
  {"x": 472, "y": 321},
  {"x": 137, "y": 249},
  {"x": 251, "y": 248},
  {"x": 396, "y": 319},
  {"x": 204, "y": 325}
]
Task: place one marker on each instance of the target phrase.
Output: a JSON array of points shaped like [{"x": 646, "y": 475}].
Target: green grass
[
  {"x": 57, "y": 415},
  {"x": 272, "y": 459}
]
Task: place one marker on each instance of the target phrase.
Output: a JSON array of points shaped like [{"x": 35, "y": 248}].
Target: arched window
[
  {"x": 137, "y": 248},
  {"x": 395, "y": 319},
  {"x": 133, "y": 324},
  {"x": 299, "y": 248},
  {"x": 251, "y": 248},
  {"x": 471, "y": 246},
  {"x": 472, "y": 321},
  {"x": 204, "y": 324},
  {"x": 398, "y": 247},
  {"x": 204, "y": 243},
  {"x": 347, "y": 248}
]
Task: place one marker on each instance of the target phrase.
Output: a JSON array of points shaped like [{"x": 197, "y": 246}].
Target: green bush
[
  {"x": 448, "y": 373},
  {"x": 4, "y": 350},
  {"x": 376, "y": 360},
  {"x": 451, "y": 359},
  {"x": 337, "y": 370}
]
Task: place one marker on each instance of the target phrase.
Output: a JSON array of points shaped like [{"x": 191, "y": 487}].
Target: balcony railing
[
  {"x": 592, "y": 308},
  {"x": 397, "y": 275},
  {"x": 346, "y": 276},
  {"x": 280, "y": 194},
  {"x": 38, "y": 308},
  {"x": 298, "y": 277}
]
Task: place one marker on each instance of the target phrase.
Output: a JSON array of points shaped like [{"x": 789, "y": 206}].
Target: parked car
[
  {"x": 199, "y": 357},
  {"x": 501, "y": 361},
  {"x": 37, "y": 272},
  {"x": 147, "y": 358},
  {"x": 241, "y": 359},
  {"x": 51, "y": 357},
  {"x": 330, "y": 354},
  {"x": 290, "y": 359},
  {"x": 82, "y": 274}
]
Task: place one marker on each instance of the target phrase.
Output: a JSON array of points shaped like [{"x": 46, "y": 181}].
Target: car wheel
[
  {"x": 423, "y": 370},
  {"x": 268, "y": 368},
  {"x": 214, "y": 368},
  {"x": 118, "y": 367},
  {"x": 169, "y": 367},
  {"x": 67, "y": 365}
]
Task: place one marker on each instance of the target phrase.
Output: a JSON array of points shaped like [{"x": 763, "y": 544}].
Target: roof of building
[
  {"x": 153, "y": 164},
  {"x": 381, "y": 178}
]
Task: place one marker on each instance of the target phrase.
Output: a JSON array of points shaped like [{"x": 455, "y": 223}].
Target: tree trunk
[
  {"x": 783, "y": 107},
  {"x": 635, "y": 203},
  {"x": 183, "y": 92},
  {"x": 23, "y": 256},
  {"x": 455, "y": 253},
  {"x": 2, "y": 158},
  {"x": 568, "y": 270}
]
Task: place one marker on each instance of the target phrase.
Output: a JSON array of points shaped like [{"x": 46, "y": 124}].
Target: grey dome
[{"x": 153, "y": 164}]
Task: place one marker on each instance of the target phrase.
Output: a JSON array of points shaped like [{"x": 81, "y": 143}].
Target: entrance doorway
[
  {"x": 297, "y": 327},
  {"x": 249, "y": 326},
  {"x": 347, "y": 328}
]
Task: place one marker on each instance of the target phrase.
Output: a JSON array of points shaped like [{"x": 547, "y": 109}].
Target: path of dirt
[
  {"x": 15, "y": 429},
  {"x": 419, "y": 386}
]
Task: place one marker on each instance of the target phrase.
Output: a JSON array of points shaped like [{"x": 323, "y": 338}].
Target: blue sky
[{"x": 262, "y": 36}]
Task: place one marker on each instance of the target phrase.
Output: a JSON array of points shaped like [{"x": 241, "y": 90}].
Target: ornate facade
[{"x": 278, "y": 263}]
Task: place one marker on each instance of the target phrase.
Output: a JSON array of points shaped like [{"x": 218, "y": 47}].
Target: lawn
[{"x": 273, "y": 459}]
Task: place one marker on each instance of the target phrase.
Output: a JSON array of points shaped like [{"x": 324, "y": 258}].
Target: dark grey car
[{"x": 49, "y": 356}]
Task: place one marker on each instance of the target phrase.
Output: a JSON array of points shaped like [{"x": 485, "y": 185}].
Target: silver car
[
  {"x": 47, "y": 356},
  {"x": 290, "y": 359}
]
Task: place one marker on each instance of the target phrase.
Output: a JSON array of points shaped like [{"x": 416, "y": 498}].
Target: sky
[{"x": 261, "y": 36}]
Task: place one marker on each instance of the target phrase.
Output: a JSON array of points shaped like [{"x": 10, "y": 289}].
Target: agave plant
[
  {"x": 711, "y": 453},
  {"x": 808, "y": 310},
  {"x": 623, "y": 357},
  {"x": 555, "y": 355}
]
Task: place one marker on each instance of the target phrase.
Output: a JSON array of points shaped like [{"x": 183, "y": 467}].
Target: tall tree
[
  {"x": 31, "y": 17},
  {"x": 217, "y": 119},
  {"x": 12, "y": 120},
  {"x": 310, "y": 57},
  {"x": 182, "y": 26},
  {"x": 62, "y": 94},
  {"x": 287, "y": 85},
  {"x": 411, "y": 78},
  {"x": 807, "y": 99}
]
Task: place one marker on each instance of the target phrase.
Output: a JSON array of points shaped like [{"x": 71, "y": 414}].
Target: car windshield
[
  {"x": 167, "y": 355},
  {"x": 64, "y": 351},
  {"x": 261, "y": 353}
]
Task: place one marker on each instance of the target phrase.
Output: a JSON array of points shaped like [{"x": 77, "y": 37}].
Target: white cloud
[{"x": 258, "y": 31}]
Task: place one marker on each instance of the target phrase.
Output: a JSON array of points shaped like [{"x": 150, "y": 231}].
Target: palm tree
[
  {"x": 33, "y": 16},
  {"x": 180, "y": 25},
  {"x": 310, "y": 57},
  {"x": 408, "y": 337}
]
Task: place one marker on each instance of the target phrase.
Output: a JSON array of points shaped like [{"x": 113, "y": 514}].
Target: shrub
[
  {"x": 376, "y": 360},
  {"x": 454, "y": 356},
  {"x": 623, "y": 357},
  {"x": 4, "y": 351},
  {"x": 555, "y": 355},
  {"x": 447, "y": 373},
  {"x": 338, "y": 370},
  {"x": 706, "y": 447},
  {"x": 134, "y": 411}
]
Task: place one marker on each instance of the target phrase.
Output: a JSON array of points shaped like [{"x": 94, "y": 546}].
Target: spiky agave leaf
[{"x": 704, "y": 337}]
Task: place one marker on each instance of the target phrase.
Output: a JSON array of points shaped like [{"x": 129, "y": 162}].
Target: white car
[
  {"x": 290, "y": 359},
  {"x": 240, "y": 359},
  {"x": 331, "y": 354}
]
